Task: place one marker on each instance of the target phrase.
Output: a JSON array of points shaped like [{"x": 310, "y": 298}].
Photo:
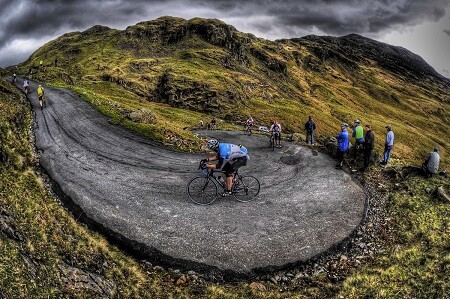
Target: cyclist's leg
[
  {"x": 238, "y": 163},
  {"x": 229, "y": 174}
]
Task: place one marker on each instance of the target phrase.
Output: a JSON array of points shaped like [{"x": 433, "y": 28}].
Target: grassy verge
[{"x": 416, "y": 263}]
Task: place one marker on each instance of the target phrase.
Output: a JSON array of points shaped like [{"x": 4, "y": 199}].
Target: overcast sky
[{"x": 421, "y": 26}]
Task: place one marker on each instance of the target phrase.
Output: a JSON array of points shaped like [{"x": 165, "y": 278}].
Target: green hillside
[{"x": 182, "y": 71}]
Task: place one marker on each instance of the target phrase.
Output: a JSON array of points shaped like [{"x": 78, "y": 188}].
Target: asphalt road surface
[{"x": 136, "y": 190}]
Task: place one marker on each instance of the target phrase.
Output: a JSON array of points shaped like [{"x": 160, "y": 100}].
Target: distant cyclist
[
  {"x": 40, "y": 92},
  {"x": 230, "y": 156},
  {"x": 249, "y": 124},
  {"x": 276, "y": 131},
  {"x": 26, "y": 86}
]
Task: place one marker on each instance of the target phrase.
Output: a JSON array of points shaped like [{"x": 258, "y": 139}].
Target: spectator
[
  {"x": 358, "y": 134},
  {"x": 369, "y": 143},
  {"x": 213, "y": 124},
  {"x": 431, "y": 164},
  {"x": 342, "y": 140},
  {"x": 201, "y": 124},
  {"x": 310, "y": 126},
  {"x": 388, "y": 145}
]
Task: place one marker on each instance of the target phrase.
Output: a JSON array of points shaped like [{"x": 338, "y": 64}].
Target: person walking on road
[
  {"x": 310, "y": 126},
  {"x": 275, "y": 129},
  {"x": 40, "y": 92},
  {"x": 388, "y": 145},
  {"x": 369, "y": 143},
  {"x": 431, "y": 164},
  {"x": 342, "y": 142}
]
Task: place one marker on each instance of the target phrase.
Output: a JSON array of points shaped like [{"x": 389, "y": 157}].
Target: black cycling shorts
[{"x": 230, "y": 168}]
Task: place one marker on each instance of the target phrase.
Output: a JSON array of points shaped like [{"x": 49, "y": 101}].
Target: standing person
[
  {"x": 358, "y": 134},
  {"x": 342, "y": 140},
  {"x": 26, "y": 86},
  {"x": 230, "y": 156},
  {"x": 275, "y": 128},
  {"x": 14, "y": 78},
  {"x": 40, "y": 92},
  {"x": 310, "y": 126},
  {"x": 388, "y": 145},
  {"x": 369, "y": 143},
  {"x": 431, "y": 164},
  {"x": 213, "y": 123}
]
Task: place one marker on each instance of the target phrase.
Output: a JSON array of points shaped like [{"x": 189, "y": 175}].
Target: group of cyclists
[
  {"x": 26, "y": 89},
  {"x": 275, "y": 130}
]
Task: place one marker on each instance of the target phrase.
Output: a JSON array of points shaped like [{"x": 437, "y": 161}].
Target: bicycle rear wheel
[
  {"x": 202, "y": 190},
  {"x": 246, "y": 188}
]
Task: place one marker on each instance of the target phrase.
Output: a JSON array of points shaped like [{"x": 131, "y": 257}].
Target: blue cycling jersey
[{"x": 228, "y": 151}]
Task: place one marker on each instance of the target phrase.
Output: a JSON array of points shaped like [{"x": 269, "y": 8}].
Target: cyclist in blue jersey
[{"x": 230, "y": 158}]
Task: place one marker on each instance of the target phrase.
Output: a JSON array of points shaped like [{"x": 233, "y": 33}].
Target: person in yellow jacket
[{"x": 40, "y": 92}]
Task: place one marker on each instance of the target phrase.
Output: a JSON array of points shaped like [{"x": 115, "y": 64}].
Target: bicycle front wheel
[
  {"x": 246, "y": 188},
  {"x": 202, "y": 190}
]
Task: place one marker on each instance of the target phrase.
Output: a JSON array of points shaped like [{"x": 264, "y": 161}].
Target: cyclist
[
  {"x": 26, "y": 86},
  {"x": 276, "y": 132},
  {"x": 228, "y": 155},
  {"x": 249, "y": 124},
  {"x": 40, "y": 92}
]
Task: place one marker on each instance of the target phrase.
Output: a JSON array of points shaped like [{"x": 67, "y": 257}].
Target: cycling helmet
[{"x": 213, "y": 144}]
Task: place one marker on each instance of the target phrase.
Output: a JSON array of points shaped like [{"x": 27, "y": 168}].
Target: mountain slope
[{"x": 187, "y": 70}]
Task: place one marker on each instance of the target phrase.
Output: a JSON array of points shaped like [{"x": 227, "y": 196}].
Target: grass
[{"x": 417, "y": 264}]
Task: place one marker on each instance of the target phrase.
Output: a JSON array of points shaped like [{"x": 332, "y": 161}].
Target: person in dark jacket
[
  {"x": 342, "y": 140},
  {"x": 369, "y": 143},
  {"x": 310, "y": 126},
  {"x": 431, "y": 164}
]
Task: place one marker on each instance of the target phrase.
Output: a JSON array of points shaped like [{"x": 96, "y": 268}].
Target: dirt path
[{"x": 137, "y": 191}]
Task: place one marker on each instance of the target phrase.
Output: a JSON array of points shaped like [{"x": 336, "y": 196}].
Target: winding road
[{"x": 136, "y": 190}]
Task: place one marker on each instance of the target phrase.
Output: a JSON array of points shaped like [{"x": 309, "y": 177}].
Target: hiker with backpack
[{"x": 310, "y": 126}]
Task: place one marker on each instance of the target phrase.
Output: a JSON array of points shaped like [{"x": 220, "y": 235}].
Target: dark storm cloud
[
  {"x": 447, "y": 31},
  {"x": 42, "y": 20}
]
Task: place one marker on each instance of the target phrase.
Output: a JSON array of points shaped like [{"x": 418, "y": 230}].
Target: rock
[
  {"x": 257, "y": 286},
  {"x": 181, "y": 281},
  {"x": 443, "y": 173},
  {"x": 442, "y": 195},
  {"x": 76, "y": 279},
  {"x": 428, "y": 190},
  {"x": 191, "y": 272},
  {"x": 274, "y": 280},
  {"x": 158, "y": 268},
  {"x": 144, "y": 116}
]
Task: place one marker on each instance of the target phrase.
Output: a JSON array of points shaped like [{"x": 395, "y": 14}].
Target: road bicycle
[
  {"x": 203, "y": 189},
  {"x": 248, "y": 130}
]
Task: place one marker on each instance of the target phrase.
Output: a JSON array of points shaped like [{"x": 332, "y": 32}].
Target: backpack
[{"x": 276, "y": 128}]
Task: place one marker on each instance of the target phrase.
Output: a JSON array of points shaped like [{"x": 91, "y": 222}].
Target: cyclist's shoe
[{"x": 226, "y": 193}]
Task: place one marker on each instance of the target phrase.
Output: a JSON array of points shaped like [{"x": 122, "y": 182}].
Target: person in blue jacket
[
  {"x": 342, "y": 142},
  {"x": 388, "y": 145}
]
